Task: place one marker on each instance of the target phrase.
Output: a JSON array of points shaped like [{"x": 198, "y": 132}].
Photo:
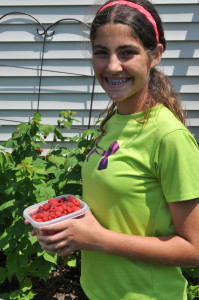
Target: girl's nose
[{"x": 114, "y": 65}]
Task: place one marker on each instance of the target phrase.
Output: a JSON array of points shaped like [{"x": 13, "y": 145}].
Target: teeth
[{"x": 117, "y": 81}]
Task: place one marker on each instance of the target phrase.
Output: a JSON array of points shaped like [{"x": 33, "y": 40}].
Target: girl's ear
[{"x": 157, "y": 55}]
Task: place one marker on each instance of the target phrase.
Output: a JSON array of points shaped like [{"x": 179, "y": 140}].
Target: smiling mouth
[{"x": 117, "y": 82}]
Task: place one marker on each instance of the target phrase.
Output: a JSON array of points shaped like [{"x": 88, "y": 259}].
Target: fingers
[
  {"x": 44, "y": 237},
  {"x": 33, "y": 232},
  {"x": 65, "y": 224},
  {"x": 58, "y": 243},
  {"x": 62, "y": 248},
  {"x": 56, "y": 227},
  {"x": 64, "y": 251}
]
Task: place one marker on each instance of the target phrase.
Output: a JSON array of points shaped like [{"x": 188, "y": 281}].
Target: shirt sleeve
[{"x": 177, "y": 166}]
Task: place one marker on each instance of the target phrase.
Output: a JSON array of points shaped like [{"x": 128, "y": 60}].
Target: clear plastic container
[{"x": 33, "y": 209}]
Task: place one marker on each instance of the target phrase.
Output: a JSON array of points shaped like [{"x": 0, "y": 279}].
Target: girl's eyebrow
[
  {"x": 99, "y": 46},
  {"x": 133, "y": 47},
  {"x": 122, "y": 47}
]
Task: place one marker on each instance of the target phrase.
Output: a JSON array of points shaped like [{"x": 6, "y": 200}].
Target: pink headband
[{"x": 140, "y": 9}]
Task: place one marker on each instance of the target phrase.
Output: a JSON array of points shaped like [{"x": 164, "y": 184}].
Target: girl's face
[{"x": 122, "y": 66}]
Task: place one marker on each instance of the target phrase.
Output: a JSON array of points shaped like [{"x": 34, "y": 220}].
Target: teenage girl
[{"x": 141, "y": 179}]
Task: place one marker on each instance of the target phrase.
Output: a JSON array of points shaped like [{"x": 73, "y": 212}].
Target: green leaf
[
  {"x": 66, "y": 113},
  {"x": 2, "y": 148},
  {"x": 57, "y": 160},
  {"x": 29, "y": 295},
  {"x": 2, "y": 160},
  {"x": 15, "y": 294},
  {"x": 39, "y": 170},
  {"x": 42, "y": 267},
  {"x": 58, "y": 134},
  {"x": 22, "y": 128},
  {"x": 37, "y": 117},
  {"x": 2, "y": 274},
  {"x": 7, "y": 205},
  {"x": 72, "y": 262},
  {"x": 4, "y": 240},
  {"x": 50, "y": 257},
  {"x": 26, "y": 285},
  {"x": 43, "y": 192},
  {"x": 12, "y": 264},
  {"x": 5, "y": 296},
  {"x": 9, "y": 158},
  {"x": 70, "y": 162},
  {"x": 8, "y": 191},
  {"x": 18, "y": 228},
  {"x": 32, "y": 239},
  {"x": 52, "y": 169},
  {"x": 40, "y": 139},
  {"x": 46, "y": 129}
]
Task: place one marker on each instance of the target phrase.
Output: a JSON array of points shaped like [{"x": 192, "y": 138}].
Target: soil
[{"x": 62, "y": 285}]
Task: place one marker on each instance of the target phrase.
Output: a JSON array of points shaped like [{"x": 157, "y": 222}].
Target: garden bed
[{"x": 62, "y": 285}]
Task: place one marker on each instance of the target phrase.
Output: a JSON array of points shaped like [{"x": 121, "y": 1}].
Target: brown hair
[{"x": 160, "y": 89}]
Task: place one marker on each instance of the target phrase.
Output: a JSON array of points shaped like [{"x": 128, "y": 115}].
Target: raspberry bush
[{"x": 29, "y": 175}]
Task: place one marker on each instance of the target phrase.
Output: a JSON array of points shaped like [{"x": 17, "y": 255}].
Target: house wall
[{"x": 69, "y": 83}]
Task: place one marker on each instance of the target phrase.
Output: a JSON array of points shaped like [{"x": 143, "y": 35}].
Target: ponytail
[{"x": 162, "y": 91}]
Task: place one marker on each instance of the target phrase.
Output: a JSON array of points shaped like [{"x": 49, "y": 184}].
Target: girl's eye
[
  {"x": 128, "y": 53},
  {"x": 99, "y": 53}
]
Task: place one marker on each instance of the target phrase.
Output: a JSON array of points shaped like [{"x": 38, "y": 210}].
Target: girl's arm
[{"x": 86, "y": 233}]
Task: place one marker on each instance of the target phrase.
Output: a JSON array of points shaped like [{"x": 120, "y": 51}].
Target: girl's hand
[
  {"x": 73, "y": 234},
  {"x": 33, "y": 232}
]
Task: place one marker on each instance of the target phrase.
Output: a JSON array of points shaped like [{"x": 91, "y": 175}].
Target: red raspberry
[
  {"x": 60, "y": 209},
  {"x": 60, "y": 201},
  {"x": 70, "y": 204},
  {"x": 68, "y": 210},
  {"x": 40, "y": 150},
  {"x": 53, "y": 208},
  {"x": 46, "y": 206},
  {"x": 63, "y": 198},
  {"x": 58, "y": 214},
  {"x": 51, "y": 200},
  {"x": 71, "y": 198},
  {"x": 76, "y": 208},
  {"x": 76, "y": 202},
  {"x": 64, "y": 205}
]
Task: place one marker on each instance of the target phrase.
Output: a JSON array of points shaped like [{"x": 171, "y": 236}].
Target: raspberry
[
  {"x": 51, "y": 200},
  {"x": 76, "y": 208},
  {"x": 60, "y": 209},
  {"x": 70, "y": 204},
  {"x": 68, "y": 209},
  {"x": 71, "y": 198},
  {"x": 46, "y": 206},
  {"x": 59, "y": 201},
  {"x": 55, "y": 208},
  {"x": 40, "y": 150},
  {"x": 76, "y": 202},
  {"x": 58, "y": 214}
]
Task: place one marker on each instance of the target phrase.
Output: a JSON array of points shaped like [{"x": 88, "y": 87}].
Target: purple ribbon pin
[{"x": 104, "y": 161}]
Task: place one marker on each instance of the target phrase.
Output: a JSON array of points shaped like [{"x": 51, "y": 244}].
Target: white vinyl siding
[{"x": 68, "y": 50}]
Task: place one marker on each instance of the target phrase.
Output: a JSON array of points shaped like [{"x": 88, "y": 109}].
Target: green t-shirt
[{"x": 127, "y": 181}]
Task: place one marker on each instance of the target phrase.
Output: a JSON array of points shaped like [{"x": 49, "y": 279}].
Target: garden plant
[{"x": 28, "y": 176}]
